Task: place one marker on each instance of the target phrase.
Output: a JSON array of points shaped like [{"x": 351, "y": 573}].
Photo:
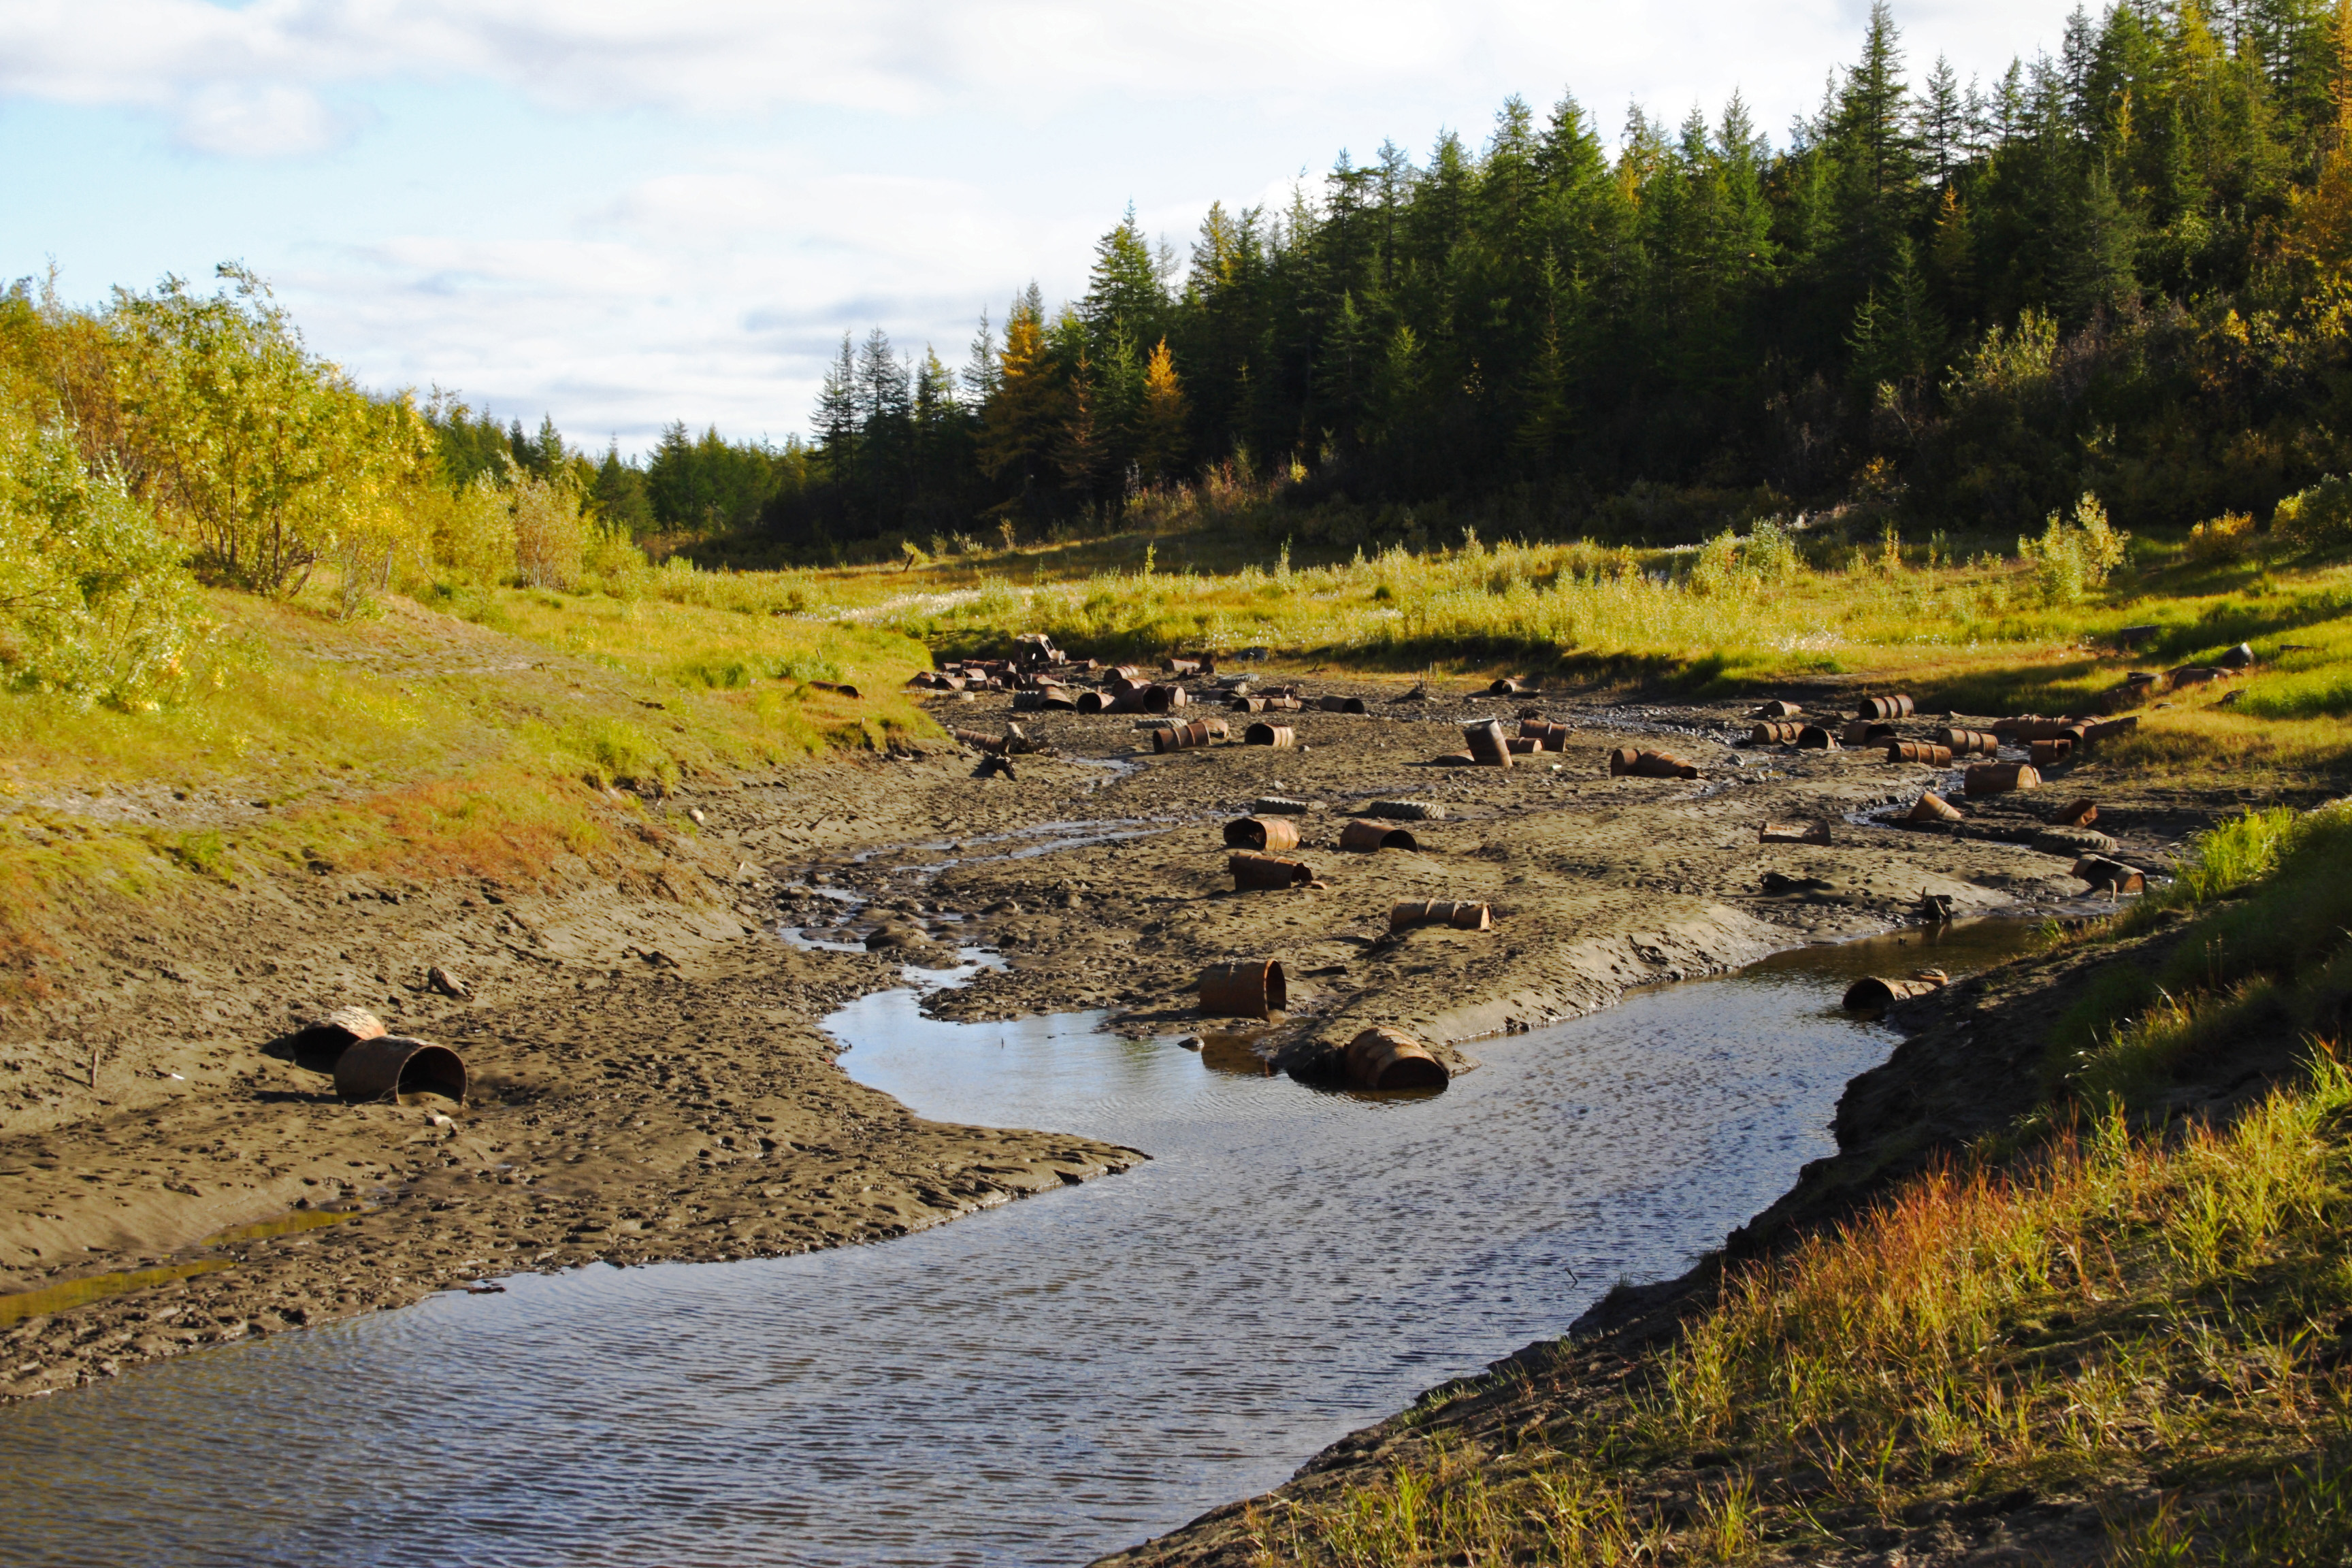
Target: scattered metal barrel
[
  {"x": 1895, "y": 707},
  {"x": 2048, "y": 729},
  {"x": 1521, "y": 746},
  {"x": 1247, "y": 704},
  {"x": 1051, "y": 698},
  {"x": 1813, "y": 738},
  {"x": 2195, "y": 675},
  {"x": 980, "y": 740},
  {"x": 2043, "y": 754},
  {"x": 1095, "y": 701},
  {"x": 1793, "y": 833},
  {"x": 1453, "y": 913},
  {"x": 1262, "y": 871},
  {"x": 1968, "y": 742},
  {"x": 1160, "y": 698},
  {"x": 1391, "y": 1058},
  {"x": 340, "y": 1030},
  {"x": 1509, "y": 686},
  {"x": 2000, "y": 778},
  {"x": 1776, "y": 733},
  {"x": 394, "y": 1067},
  {"x": 1125, "y": 673},
  {"x": 1181, "y": 666},
  {"x": 1865, "y": 733},
  {"x": 1255, "y": 989},
  {"x": 1362, "y": 835},
  {"x": 1342, "y": 705},
  {"x": 2101, "y": 729},
  {"x": 1180, "y": 737},
  {"x": 1281, "y": 703},
  {"x": 1280, "y": 806},
  {"x": 1487, "y": 746},
  {"x": 1547, "y": 736},
  {"x": 2112, "y": 875},
  {"x": 1776, "y": 709},
  {"x": 1406, "y": 810},
  {"x": 1281, "y": 737},
  {"x": 1934, "y": 756},
  {"x": 2239, "y": 657},
  {"x": 1934, "y": 807},
  {"x": 1262, "y": 833},
  {"x": 2077, "y": 813},
  {"x": 1874, "y": 995},
  {"x": 1625, "y": 762}
]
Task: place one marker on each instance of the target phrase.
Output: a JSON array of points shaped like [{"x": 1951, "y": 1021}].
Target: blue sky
[{"x": 624, "y": 215}]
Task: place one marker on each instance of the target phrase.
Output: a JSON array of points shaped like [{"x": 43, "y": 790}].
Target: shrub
[
  {"x": 2222, "y": 541},
  {"x": 2074, "y": 559},
  {"x": 550, "y": 532},
  {"x": 2316, "y": 518}
]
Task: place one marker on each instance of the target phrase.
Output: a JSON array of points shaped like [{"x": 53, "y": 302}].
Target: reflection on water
[{"x": 1037, "y": 1384}]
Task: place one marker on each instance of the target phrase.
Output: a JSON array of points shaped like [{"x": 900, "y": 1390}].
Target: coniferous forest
[{"x": 2121, "y": 269}]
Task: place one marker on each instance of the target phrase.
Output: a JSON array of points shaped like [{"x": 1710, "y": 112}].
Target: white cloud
[{"x": 257, "y": 121}]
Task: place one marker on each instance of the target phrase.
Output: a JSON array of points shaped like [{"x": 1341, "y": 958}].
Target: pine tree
[
  {"x": 837, "y": 416},
  {"x": 1943, "y": 123}
]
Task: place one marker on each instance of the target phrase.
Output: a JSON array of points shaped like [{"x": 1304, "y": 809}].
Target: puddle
[
  {"x": 284, "y": 1225},
  {"x": 91, "y": 1287},
  {"x": 1035, "y": 1384}
]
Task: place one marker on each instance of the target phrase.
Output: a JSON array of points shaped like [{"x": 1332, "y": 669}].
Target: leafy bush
[
  {"x": 2074, "y": 559},
  {"x": 94, "y": 601},
  {"x": 549, "y": 530},
  {"x": 2316, "y": 518},
  {"x": 2225, "y": 539}
]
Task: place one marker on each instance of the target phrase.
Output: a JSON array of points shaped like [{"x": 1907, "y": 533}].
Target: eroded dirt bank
[{"x": 651, "y": 1080}]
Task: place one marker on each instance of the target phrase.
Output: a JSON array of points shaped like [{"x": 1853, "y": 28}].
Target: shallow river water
[{"x": 1035, "y": 1384}]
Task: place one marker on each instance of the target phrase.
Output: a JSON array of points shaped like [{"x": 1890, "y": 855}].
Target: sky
[{"x": 624, "y": 215}]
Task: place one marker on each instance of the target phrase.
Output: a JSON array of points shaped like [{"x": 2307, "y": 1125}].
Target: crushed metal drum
[
  {"x": 1509, "y": 687},
  {"x": 1627, "y": 762},
  {"x": 1793, "y": 833},
  {"x": 2072, "y": 841},
  {"x": 1281, "y": 737},
  {"x": 1455, "y": 914},
  {"x": 2077, "y": 813},
  {"x": 1895, "y": 707},
  {"x": 1342, "y": 705},
  {"x": 1258, "y": 872},
  {"x": 1391, "y": 1058},
  {"x": 1247, "y": 704},
  {"x": 1487, "y": 746},
  {"x": 1932, "y": 807},
  {"x": 1053, "y": 700},
  {"x": 1160, "y": 698},
  {"x": 1253, "y": 989},
  {"x": 2111, "y": 875},
  {"x": 1866, "y": 732},
  {"x": 338, "y": 1032},
  {"x": 1919, "y": 751},
  {"x": 1362, "y": 835},
  {"x": 1406, "y": 810},
  {"x": 1274, "y": 833},
  {"x": 1874, "y": 995},
  {"x": 2000, "y": 778},
  {"x": 395, "y": 1068}
]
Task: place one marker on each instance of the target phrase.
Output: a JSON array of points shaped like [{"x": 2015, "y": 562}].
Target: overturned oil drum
[
  {"x": 1919, "y": 751},
  {"x": 1281, "y": 737},
  {"x": 1814, "y": 738},
  {"x": 2000, "y": 778},
  {"x": 2077, "y": 813},
  {"x": 394, "y": 1067},
  {"x": 1793, "y": 833},
  {"x": 1051, "y": 698},
  {"x": 1260, "y": 871},
  {"x": 1895, "y": 707},
  {"x": 1362, "y": 835},
  {"x": 1255, "y": 989},
  {"x": 1456, "y": 914},
  {"x": 2032, "y": 729},
  {"x": 1521, "y": 746},
  {"x": 1874, "y": 995},
  {"x": 1161, "y": 699},
  {"x": 1390, "y": 1059},
  {"x": 1095, "y": 701},
  {"x": 1968, "y": 742},
  {"x": 2101, "y": 729},
  {"x": 2044, "y": 754},
  {"x": 1181, "y": 666},
  {"x": 1342, "y": 705},
  {"x": 1243, "y": 704},
  {"x": 1547, "y": 736},
  {"x": 1509, "y": 687},
  {"x": 1774, "y": 732},
  {"x": 1776, "y": 709},
  {"x": 1180, "y": 737},
  {"x": 1627, "y": 762},
  {"x": 1934, "y": 807},
  {"x": 1262, "y": 833},
  {"x": 1487, "y": 746},
  {"x": 1865, "y": 733},
  {"x": 2112, "y": 875}
]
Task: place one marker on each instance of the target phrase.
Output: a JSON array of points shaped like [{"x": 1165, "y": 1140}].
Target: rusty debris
[
  {"x": 1281, "y": 737},
  {"x": 1362, "y": 835},
  {"x": 1547, "y": 735},
  {"x": 1627, "y": 762},
  {"x": 1895, "y": 707},
  {"x": 1814, "y": 738},
  {"x": 2000, "y": 778},
  {"x": 1258, "y": 872},
  {"x": 1342, "y": 705},
  {"x": 2110, "y": 876},
  {"x": 1456, "y": 914},
  {"x": 1934, "y": 807},
  {"x": 994, "y": 765},
  {"x": 1776, "y": 709},
  {"x": 1391, "y": 1058},
  {"x": 1774, "y": 732},
  {"x": 1866, "y": 732},
  {"x": 1793, "y": 833},
  {"x": 1405, "y": 810},
  {"x": 1874, "y": 995},
  {"x": 1159, "y": 698},
  {"x": 1487, "y": 746},
  {"x": 338, "y": 1032},
  {"x": 2047, "y": 754},
  {"x": 1934, "y": 756},
  {"x": 1267, "y": 833},
  {"x": 838, "y": 688},
  {"x": 1174, "y": 666},
  {"x": 395, "y": 1068},
  {"x": 2077, "y": 813},
  {"x": 1511, "y": 686},
  {"x": 1240, "y": 704},
  {"x": 1252, "y": 989},
  {"x": 1968, "y": 742},
  {"x": 2102, "y": 729},
  {"x": 1050, "y": 698},
  {"x": 1185, "y": 737}
]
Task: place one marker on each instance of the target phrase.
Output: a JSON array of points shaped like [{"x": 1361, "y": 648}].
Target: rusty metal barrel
[
  {"x": 1456, "y": 914},
  {"x": 1793, "y": 833},
  {"x": 1814, "y": 738},
  {"x": 2077, "y": 813},
  {"x": 2110, "y": 876},
  {"x": 1774, "y": 732},
  {"x": 1281, "y": 737},
  {"x": 1240, "y": 704},
  {"x": 1521, "y": 746},
  {"x": 1181, "y": 666},
  {"x": 1182, "y": 737},
  {"x": 2046, "y": 753},
  {"x": 1095, "y": 701},
  {"x": 1547, "y": 735},
  {"x": 1934, "y": 807},
  {"x": 1160, "y": 698},
  {"x": 1866, "y": 732},
  {"x": 1271, "y": 833},
  {"x": 1391, "y": 1058},
  {"x": 1627, "y": 762},
  {"x": 1511, "y": 686},
  {"x": 395, "y": 1068},
  {"x": 1253, "y": 989},
  {"x": 1342, "y": 705},
  {"x": 1262, "y": 871},
  {"x": 2000, "y": 778},
  {"x": 1895, "y": 707},
  {"x": 2034, "y": 729},
  {"x": 1919, "y": 751},
  {"x": 1487, "y": 746},
  {"x": 1362, "y": 835},
  {"x": 1968, "y": 742},
  {"x": 1048, "y": 699},
  {"x": 1872, "y": 995},
  {"x": 2103, "y": 729},
  {"x": 1776, "y": 709}
]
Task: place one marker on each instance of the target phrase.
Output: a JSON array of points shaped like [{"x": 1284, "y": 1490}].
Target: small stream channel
[{"x": 1035, "y": 1384}]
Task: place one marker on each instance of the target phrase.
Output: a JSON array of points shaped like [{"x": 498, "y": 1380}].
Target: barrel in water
[
  {"x": 395, "y": 1068},
  {"x": 1261, "y": 833},
  {"x": 1459, "y": 914},
  {"x": 1390, "y": 1059},
  {"x": 1255, "y": 989},
  {"x": 1874, "y": 995}
]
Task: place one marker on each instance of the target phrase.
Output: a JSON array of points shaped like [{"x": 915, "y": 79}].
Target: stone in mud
[
  {"x": 447, "y": 983},
  {"x": 895, "y": 935}
]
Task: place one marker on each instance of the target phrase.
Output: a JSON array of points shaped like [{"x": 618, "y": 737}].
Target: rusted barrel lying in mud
[
  {"x": 1255, "y": 989},
  {"x": 2072, "y": 841},
  {"x": 1919, "y": 751},
  {"x": 1182, "y": 737},
  {"x": 1160, "y": 698},
  {"x": 1051, "y": 699},
  {"x": 1342, "y": 705},
  {"x": 1968, "y": 742},
  {"x": 1095, "y": 701},
  {"x": 2000, "y": 778},
  {"x": 1246, "y": 704},
  {"x": 339, "y": 1031},
  {"x": 1895, "y": 707},
  {"x": 1522, "y": 745},
  {"x": 1934, "y": 807},
  {"x": 1281, "y": 737},
  {"x": 1272, "y": 833},
  {"x": 1362, "y": 835},
  {"x": 979, "y": 739},
  {"x": 1406, "y": 810},
  {"x": 1775, "y": 732},
  {"x": 1261, "y": 872},
  {"x": 2102, "y": 729},
  {"x": 1510, "y": 686},
  {"x": 2038, "y": 729},
  {"x": 1872, "y": 995},
  {"x": 2110, "y": 876},
  {"x": 1814, "y": 738},
  {"x": 2048, "y": 753},
  {"x": 1776, "y": 709},
  {"x": 395, "y": 1068},
  {"x": 2195, "y": 675},
  {"x": 1627, "y": 762},
  {"x": 1487, "y": 746},
  {"x": 1456, "y": 914},
  {"x": 1547, "y": 735},
  {"x": 1181, "y": 666},
  {"x": 1865, "y": 733},
  {"x": 1793, "y": 833},
  {"x": 2077, "y": 813},
  {"x": 1391, "y": 1058}
]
